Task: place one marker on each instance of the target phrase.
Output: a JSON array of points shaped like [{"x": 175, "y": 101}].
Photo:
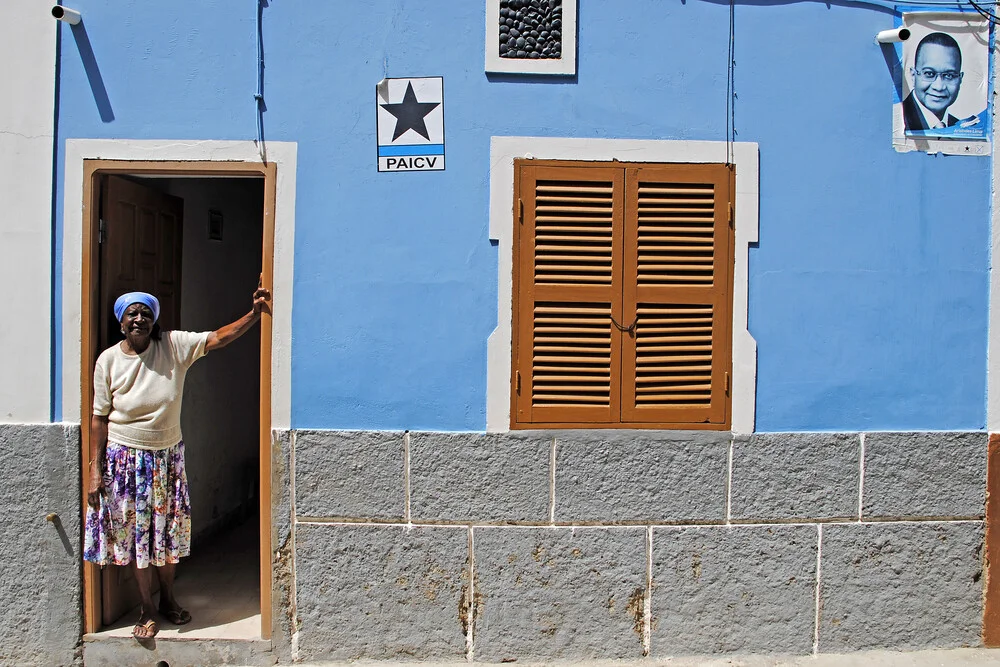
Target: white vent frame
[{"x": 566, "y": 65}]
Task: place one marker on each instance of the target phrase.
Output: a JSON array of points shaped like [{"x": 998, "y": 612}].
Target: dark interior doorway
[{"x": 195, "y": 242}]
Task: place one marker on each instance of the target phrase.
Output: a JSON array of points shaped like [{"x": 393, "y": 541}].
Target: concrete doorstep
[{"x": 960, "y": 657}]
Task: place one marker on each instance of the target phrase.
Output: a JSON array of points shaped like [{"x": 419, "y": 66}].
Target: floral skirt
[{"x": 145, "y": 513}]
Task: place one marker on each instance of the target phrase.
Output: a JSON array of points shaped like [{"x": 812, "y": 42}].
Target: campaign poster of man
[{"x": 945, "y": 76}]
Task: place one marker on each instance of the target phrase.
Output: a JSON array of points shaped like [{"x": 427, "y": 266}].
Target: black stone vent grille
[{"x": 530, "y": 29}]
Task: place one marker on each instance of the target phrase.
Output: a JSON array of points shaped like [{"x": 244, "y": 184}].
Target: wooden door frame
[{"x": 93, "y": 169}]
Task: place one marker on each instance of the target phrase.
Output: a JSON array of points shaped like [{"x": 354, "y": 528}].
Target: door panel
[{"x": 140, "y": 250}]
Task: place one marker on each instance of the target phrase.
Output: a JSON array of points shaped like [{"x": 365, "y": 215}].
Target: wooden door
[{"x": 140, "y": 250}]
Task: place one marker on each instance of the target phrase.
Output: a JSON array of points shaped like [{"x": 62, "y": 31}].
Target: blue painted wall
[{"x": 869, "y": 288}]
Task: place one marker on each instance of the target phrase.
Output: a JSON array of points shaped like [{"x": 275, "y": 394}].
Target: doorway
[{"x": 201, "y": 235}]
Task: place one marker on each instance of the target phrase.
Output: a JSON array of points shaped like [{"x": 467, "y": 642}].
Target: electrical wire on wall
[
  {"x": 259, "y": 95},
  {"x": 731, "y": 86},
  {"x": 917, "y": 5},
  {"x": 985, "y": 13}
]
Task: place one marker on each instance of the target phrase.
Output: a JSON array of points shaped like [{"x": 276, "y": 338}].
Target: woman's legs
[
  {"x": 166, "y": 575},
  {"x": 143, "y": 579},
  {"x": 169, "y": 607}
]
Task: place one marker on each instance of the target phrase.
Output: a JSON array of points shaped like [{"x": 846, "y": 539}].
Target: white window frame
[{"x": 503, "y": 151}]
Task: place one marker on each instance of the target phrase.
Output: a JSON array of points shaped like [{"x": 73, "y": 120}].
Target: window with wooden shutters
[{"x": 622, "y": 295}]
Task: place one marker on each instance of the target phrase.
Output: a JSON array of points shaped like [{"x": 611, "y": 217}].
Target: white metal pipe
[
  {"x": 892, "y": 36},
  {"x": 65, "y": 14}
]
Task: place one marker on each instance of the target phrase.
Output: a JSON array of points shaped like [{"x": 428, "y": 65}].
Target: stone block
[
  {"x": 40, "y": 621},
  {"x": 281, "y": 487},
  {"x": 641, "y": 476},
  {"x": 282, "y": 571},
  {"x": 352, "y": 474},
  {"x": 930, "y": 474},
  {"x": 733, "y": 589},
  {"x": 127, "y": 652},
  {"x": 381, "y": 592},
  {"x": 493, "y": 477},
  {"x": 901, "y": 585},
  {"x": 795, "y": 476},
  {"x": 559, "y": 593}
]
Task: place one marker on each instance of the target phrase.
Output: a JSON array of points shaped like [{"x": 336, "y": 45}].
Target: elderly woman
[{"x": 139, "y": 512}]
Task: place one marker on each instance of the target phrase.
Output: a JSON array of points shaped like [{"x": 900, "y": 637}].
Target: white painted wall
[{"x": 27, "y": 79}]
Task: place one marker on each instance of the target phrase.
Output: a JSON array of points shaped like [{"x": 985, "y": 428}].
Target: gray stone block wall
[
  {"x": 779, "y": 476},
  {"x": 925, "y": 474},
  {"x": 381, "y": 592},
  {"x": 559, "y": 593},
  {"x": 350, "y": 474},
  {"x": 40, "y": 561},
  {"x": 478, "y": 477},
  {"x": 559, "y": 567},
  {"x": 640, "y": 476},
  {"x": 901, "y": 586},
  {"x": 127, "y": 652},
  {"x": 282, "y": 546},
  {"x": 733, "y": 589}
]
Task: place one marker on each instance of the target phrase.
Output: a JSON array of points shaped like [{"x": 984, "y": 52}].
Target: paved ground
[{"x": 965, "y": 657}]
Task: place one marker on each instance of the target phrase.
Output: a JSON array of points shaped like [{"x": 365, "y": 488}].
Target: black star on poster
[{"x": 410, "y": 128}]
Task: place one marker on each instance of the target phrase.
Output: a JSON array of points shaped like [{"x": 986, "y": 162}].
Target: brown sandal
[
  {"x": 177, "y": 616},
  {"x": 148, "y": 627}
]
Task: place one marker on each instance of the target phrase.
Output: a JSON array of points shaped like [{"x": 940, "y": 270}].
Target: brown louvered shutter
[
  {"x": 678, "y": 259},
  {"x": 568, "y": 281}
]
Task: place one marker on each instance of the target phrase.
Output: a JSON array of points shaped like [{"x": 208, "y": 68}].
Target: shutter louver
[
  {"x": 571, "y": 359},
  {"x": 677, "y": 258},
  {"x": 570, "y": 263},
  {"x": 673, "y": 355},
  {"x": 573, "y": 233},
  {"x": 676, "y": 233}
]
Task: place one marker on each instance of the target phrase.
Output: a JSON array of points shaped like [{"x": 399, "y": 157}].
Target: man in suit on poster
[{"x": 937, "y": 79}]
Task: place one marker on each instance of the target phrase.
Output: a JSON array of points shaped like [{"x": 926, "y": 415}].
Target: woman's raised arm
[{"x": 225, "y": 335}]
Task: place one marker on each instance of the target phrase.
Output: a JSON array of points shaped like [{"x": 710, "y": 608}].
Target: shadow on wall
[
  {"x": 93, "y": 72},
  {"x": 874, "y": 6}
]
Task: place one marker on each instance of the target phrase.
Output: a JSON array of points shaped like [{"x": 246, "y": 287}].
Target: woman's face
[{"x": 137, "y": 323}]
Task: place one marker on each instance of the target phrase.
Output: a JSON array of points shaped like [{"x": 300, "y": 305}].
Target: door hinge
[
  {"x": 520, "y": 211},
  {"x": 728, "y": 384},
  {"x": 100, "y": 230},
  {"x": 517, "y": 381},
  {"x": 730, "y": 215}
]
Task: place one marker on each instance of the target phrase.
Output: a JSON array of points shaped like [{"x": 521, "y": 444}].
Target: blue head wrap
[{"x": 127, "y": 299}]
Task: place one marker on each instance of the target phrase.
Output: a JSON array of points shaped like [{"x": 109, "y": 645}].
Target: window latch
[{"x": 628, "y": 329}]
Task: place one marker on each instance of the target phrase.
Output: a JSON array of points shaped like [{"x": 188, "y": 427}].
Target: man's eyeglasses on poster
[{"x": 947, "y": 75}]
